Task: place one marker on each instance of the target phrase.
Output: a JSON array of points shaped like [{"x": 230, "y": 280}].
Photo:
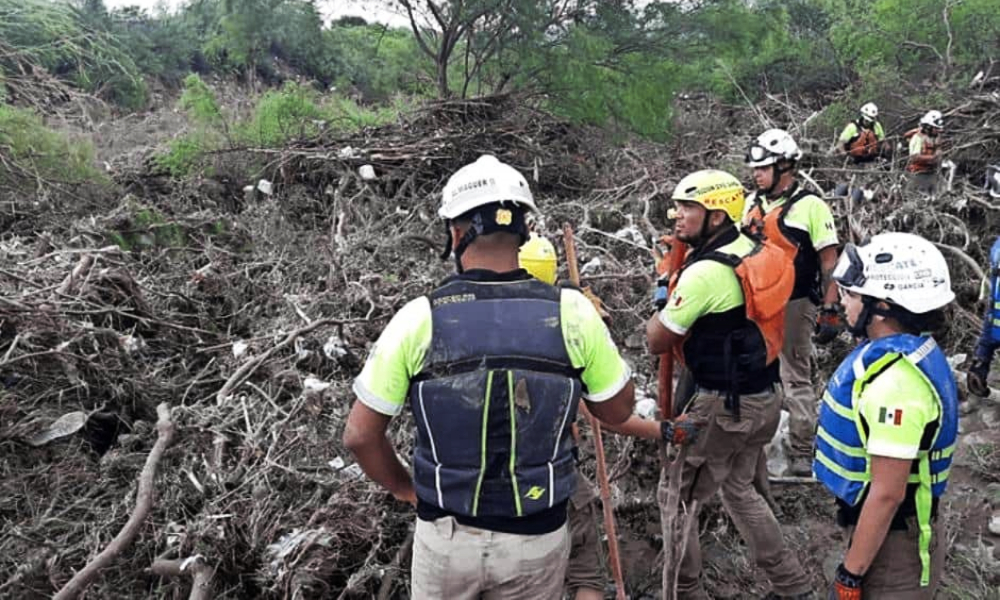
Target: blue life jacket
[
  {"x": 842, "y": 462},
  {"x": 494, "y": 401},
  {"x": 994, "y": 298}
]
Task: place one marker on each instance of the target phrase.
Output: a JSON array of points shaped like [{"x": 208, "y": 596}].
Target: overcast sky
[{"x": 328, "y": 8}]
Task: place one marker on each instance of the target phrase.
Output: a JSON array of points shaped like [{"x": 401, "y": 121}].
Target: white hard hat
[
  {"x": 933, "y": 118},
  {"x": 901, "y": 268},
  {"x": 770, "y": 147},
  {"x": 483, "y": 182},
  {"x": 869, "y": 111}
]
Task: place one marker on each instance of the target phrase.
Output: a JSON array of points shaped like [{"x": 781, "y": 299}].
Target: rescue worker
[
  {"x": 925, "y": 153},
  {"x": 584, "y": 574},
  {"x": 889, "y": 421},
  {"x": 863, "y": 139},
  {"x": 795, "y": 218},
  {"x": 492, "y": 363},
  {"x": 705, "y": 323},
  {"x": 989, "y": 338}
]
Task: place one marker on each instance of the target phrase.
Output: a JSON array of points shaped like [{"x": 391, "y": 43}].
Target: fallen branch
[
  {"x": 201, "y": 574},
  {"x": 393, "y": 570},
  {"x": 250, "y": 366},
  {"x": 143, "y": 504}
]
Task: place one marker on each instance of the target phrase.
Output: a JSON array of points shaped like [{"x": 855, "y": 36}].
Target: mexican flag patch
[{"x": 890, "y": 416}]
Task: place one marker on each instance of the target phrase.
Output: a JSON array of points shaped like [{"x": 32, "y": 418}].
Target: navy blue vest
[{"x": 495, "y": 400}]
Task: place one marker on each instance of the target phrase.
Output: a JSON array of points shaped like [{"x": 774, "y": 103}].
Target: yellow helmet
[
  {"x": 538, "y": 257},
  {"x": 713, "y": 189}
]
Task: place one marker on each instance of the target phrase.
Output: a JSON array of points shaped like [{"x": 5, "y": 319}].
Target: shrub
[{"x": 39, "y": 151}]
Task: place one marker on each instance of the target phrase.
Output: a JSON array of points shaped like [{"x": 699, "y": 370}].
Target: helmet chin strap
[
  {"x": 776, "y": 173},
  {"x": 868, "y": 310}
]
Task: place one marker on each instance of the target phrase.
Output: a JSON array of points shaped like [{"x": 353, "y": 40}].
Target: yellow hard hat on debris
[{"x": 538, "y": 257}]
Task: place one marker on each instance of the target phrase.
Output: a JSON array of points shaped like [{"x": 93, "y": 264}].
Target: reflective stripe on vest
[
  {"x": 995, "y": 290},
  {"x": 842, "y": 463},
  {"x": 494, "y": 401}
]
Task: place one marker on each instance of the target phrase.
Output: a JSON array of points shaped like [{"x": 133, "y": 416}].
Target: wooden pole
[{"x": 595, "y": 425}]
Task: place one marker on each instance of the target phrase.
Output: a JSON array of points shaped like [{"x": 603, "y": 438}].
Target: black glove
[
  {"x": 846, "y": 585},
  {"x": 829, "y": 324},
  {"x": 979, "y": 370}
]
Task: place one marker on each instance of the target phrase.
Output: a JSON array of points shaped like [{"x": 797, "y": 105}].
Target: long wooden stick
[
  {"x": 665, "y": 371},
  {"x": 143, "y": 504},
  {"x": 595, "y": 425}
]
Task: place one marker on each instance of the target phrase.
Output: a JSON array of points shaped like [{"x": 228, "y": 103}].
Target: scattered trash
[
  {"x": 367, "y": 172},
  {"x": 240, "y": 348},
  {"x": 593, "y": 266},
  {"x": 334, "y": 348},
  {"x": 264, "y": 186},
  {"x": 66, "y": 425}
]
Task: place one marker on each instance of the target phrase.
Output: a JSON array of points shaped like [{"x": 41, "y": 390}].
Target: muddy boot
[{"x": 800, "y": 465}]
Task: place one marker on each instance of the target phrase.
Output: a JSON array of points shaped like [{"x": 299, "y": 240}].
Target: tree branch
[{"x": 143, "y": 504}]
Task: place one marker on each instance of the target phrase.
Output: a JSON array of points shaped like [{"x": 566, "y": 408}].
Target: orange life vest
[
  {"x": 865, "y": 145},
  {"x": 772, "y": 228},
  {"x": 736, "y": 351},
  {"x": 923, "y": 162}
]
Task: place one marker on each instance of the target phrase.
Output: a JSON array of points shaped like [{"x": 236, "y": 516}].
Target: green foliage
[
  {"x": 199, "y": 102},
  {"x": 42, "y": 152},
  {"x": 280, "y": 115},
  {"x": 184, "y": 155},
  {"x": 60, "y": 39},
  {"x": 376, "y": 61}
]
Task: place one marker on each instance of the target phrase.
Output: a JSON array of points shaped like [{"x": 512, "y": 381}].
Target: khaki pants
[
  {"x": 725, "y": 458},
  {"x": 895, "y": 572},
  {"x": 584, "y": 569},
  {"x": 457, "y": 562},
  {"x": 923, "y": 183},
  {"x": 796, "y": 376}
]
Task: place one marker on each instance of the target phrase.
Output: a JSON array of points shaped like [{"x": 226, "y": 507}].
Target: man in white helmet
[
  {"x": 925, "y": 153},
  {"x": 794, "y": 218},
  {"x": 889, "y": 421},
  {"x": 493, "y": 364},
  {"x": 863, "y": 137}
]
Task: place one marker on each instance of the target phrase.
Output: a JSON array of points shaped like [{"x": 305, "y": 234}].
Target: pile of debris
[{"x": 250, "y": 316}]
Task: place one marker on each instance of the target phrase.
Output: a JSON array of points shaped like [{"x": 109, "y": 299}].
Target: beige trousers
[
  {"x": 725, "y": 458},
  {"x": 895, "y": 572},
  {"x": 456, "y": 562},
  {"x": 796, "y": 376}
]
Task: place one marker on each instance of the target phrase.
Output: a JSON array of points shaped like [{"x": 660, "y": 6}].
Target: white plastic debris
[
  {"x": 337, "y": 463},
  {"x": 593, "y": 265},
  {"x": 353, "y": 471},
  {"x": 956, "y": 360},
  {"x": 646, "y": 408},
  {"x": 240, "y": 348},
  {"x": 64, "y": 426},
  {"x": 264, "y": 186},
  {"x": 632, "y": 234},
  {"x": 312, "y": 384},
  {"x": 367, "y": 172},
  {"x": 334, "y": 348},
  {"x": 131, "y": 343},
  {"x": 346, "y": 152},
  {"x": 994, "y": 525}
]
